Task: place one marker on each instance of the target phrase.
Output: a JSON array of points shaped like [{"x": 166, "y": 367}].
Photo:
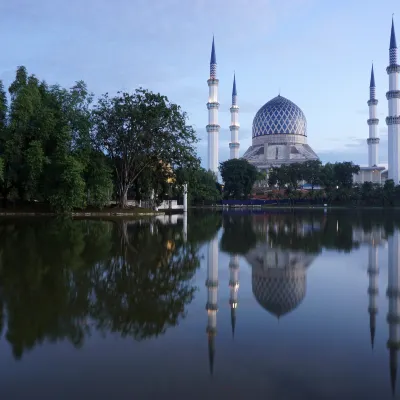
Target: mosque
[{"x": 279, "y": 132}]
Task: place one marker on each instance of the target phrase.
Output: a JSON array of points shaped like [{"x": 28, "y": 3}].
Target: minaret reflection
[
  {"x": 373, "y": 272},
  {"x": 234, "y": 286},
  {"x": 212, "y": 300},
  {"x": 185, "y": 227},
  {"x": 393, "y": 291}
]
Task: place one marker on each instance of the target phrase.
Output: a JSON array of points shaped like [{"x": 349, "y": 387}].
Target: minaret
[
  {"x": 212, "y": 106},
  {"x": 373, "y": 121},
  {"x": 234, "y": 127},
  {"x": 212, "y": 299},
  {"x": 393, "y": 292},
  {"x": 393, "y": 119},
  {"x": 234, "y": 286},
  {"x": 373, "y": 272}
]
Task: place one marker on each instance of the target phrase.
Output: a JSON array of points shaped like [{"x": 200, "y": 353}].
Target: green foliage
[
  {"x": 239, "y": 177},
  {"x": 68, "y": 192},
  {"x": 56, "y": 148},
  {"x": 202, "y": 185},
  {"x": 138, "y": 131}
]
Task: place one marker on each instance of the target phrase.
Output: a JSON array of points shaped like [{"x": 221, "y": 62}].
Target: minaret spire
[
  {"x": 372, "y": 81},
  {"x": 234, "y": 127},
  {"x": 213, "y": 106},
  {"x": 373, "y": 121},
  {"x": 393, "y": 119},
  {"x": 393, "y": 44}
]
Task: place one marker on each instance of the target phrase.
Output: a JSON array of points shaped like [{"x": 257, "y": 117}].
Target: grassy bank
[{"x": 40, "y": 210}]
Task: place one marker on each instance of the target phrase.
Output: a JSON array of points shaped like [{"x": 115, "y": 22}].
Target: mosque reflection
[{"x": 280, "y": 249}]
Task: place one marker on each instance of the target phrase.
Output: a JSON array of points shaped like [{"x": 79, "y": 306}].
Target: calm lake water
[{"x": 232, "y": 305}]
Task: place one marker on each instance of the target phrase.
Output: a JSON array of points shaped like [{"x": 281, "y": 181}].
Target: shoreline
[{"x": 98, "y": 214}]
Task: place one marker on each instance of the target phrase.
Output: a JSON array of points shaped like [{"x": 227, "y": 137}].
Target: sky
[{"x": 316, "y": 53}]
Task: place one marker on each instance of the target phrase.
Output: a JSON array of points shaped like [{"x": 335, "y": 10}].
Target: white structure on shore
[
  {"x": 234, "y": 145},
  {"x": 213, "y": 106}
]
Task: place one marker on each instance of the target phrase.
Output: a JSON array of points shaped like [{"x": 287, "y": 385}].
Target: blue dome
[{"x": 279, "y": 116}]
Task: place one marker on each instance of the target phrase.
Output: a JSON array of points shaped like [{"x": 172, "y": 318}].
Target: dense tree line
[
  {"x": 335, "y": 185},
  {"x": 61, "y": 148}
]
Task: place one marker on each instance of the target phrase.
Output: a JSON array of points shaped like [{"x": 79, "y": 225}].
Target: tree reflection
[
  {"x": 310, "y": 232},
  {"x": 59, "y": 279}
]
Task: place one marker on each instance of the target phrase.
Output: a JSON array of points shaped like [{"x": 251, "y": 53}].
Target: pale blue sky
[{"x": 317, "y": 52}]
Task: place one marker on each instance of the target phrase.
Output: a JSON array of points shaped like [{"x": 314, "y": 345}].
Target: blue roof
[
  {"x": 279, "y": 116},
  {"x": 234, "y": 92},
  {"x": 393, "y": 44},
  {"x": 372, "y": 82},
  {"x": 213, "y": 56}
]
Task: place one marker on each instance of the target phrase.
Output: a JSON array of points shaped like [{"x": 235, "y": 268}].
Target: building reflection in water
[
  {"x": 373, "y": 238},
  {"x": 234, "y": 287},
  {"x": 393, "y": 293},
  {"x": 279, "y": 278},
  {"x": 212, "y": 297},
  {"x": 278, "y": 274}
]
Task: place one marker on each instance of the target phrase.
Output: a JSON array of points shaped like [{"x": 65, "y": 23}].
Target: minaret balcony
[
  {"x": 233, "y": 283},
  {"x": 374, "y": 140},
  {"x": 234, "y": 109},
  {"x": 393, "y": 68},
  {"x": 372, "y": 102},
  {"x": 211, "y": 283},
  {"x": 373, "y": 121},
  {"x": 393, "y": 94},
  {"x": 393, "y": 292},
  {"x": 373, "y": 310},
  {"x": 393, "y": 318},
  {"x": 234, "y": 127},
  {"x": 212, "y": 128},
  {"x": 373, "y": 291},
  {"x": 234, "y": 145},
  {"x": 393, "y": 120},
  {"x": 211, "y": 307},
  {"x": 211, "y": 331},
  {"x": 211, "y": 105},
  {"x": 213, "y": 81}
]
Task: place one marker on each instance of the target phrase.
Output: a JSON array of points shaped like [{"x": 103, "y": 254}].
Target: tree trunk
[{"x": 123, "y": 199}]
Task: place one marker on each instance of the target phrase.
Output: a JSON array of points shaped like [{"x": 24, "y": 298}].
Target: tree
[
  {"x": 202, "y": 185},
  {"x": 139, "y": 130},
  {"x": 239, "y": 177},
  {"x": 311, "y": 171},
  {"x": 343, "y": 172}
]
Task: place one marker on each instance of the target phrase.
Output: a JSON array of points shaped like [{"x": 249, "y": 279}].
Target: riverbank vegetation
[
  {"x": 329, "y": 183},
  {"x": 61, "y": 148}
]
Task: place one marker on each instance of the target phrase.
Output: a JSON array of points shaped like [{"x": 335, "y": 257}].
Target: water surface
[{"x": 235, "y": 305}]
